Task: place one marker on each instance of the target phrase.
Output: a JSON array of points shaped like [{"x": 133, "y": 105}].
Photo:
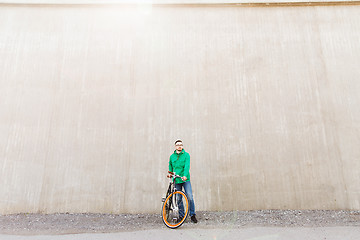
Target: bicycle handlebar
[{"x": 173, "y": 174}]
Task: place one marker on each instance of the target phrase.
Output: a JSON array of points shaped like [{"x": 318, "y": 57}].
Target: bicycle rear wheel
[{"x": 175, "y": 209}]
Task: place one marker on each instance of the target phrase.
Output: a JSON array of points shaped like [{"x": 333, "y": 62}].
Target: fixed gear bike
[{"x": 175, "y": 208}]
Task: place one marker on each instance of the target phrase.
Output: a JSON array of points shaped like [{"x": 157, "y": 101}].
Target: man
[{"x": 180, "y": 164}]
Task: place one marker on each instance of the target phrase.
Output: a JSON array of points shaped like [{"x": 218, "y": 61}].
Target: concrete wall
[{"x": 93, "y": 97}]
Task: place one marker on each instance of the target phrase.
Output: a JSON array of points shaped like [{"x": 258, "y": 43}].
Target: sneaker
[{"x": 193, "y": 219}]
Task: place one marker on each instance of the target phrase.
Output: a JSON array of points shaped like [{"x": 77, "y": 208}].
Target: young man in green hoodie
[{"x": 180, "y": 164}]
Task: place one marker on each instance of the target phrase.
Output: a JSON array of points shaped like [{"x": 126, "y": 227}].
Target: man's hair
[{"x": 179, "y": 140}]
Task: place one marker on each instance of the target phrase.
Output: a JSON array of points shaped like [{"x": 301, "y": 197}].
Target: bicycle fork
[{"x": 175, "y": 208}]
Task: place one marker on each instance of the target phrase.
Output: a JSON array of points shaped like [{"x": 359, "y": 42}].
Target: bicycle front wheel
[{"x": 175, "y": 209}]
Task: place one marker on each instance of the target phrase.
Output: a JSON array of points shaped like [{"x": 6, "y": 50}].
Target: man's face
[{"x": 179, "y": 146}]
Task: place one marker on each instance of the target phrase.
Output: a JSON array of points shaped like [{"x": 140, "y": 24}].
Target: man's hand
[
  {"x": 169, "y": 176},
  {"x": 184, "y": 178}
]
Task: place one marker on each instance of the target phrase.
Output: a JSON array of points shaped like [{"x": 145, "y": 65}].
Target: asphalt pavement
[{"x": 189, "y": 233}]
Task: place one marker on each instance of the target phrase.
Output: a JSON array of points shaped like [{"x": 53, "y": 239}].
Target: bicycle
[{"x": 175, "y": 208}]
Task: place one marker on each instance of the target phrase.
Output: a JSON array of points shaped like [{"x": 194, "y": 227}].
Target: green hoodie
[{"x": 180, "y": 164}]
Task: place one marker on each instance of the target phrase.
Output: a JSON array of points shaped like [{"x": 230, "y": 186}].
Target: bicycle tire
[{"x": 168, "y": 216}]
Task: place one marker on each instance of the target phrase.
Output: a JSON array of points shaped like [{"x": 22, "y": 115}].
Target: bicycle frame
[{"x": 172, "y": 189}]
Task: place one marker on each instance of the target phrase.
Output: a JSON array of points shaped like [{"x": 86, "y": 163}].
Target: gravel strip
[{"x": 66, "y": 223}]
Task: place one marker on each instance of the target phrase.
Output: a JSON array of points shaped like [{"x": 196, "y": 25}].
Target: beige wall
[{"x": 265, "y": 99}]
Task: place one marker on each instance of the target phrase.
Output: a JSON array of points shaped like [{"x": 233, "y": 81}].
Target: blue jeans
[{"x": 188, "y": 191}]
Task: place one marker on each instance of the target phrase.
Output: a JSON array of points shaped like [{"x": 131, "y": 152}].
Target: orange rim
[{"x": 164, "y": 211}]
